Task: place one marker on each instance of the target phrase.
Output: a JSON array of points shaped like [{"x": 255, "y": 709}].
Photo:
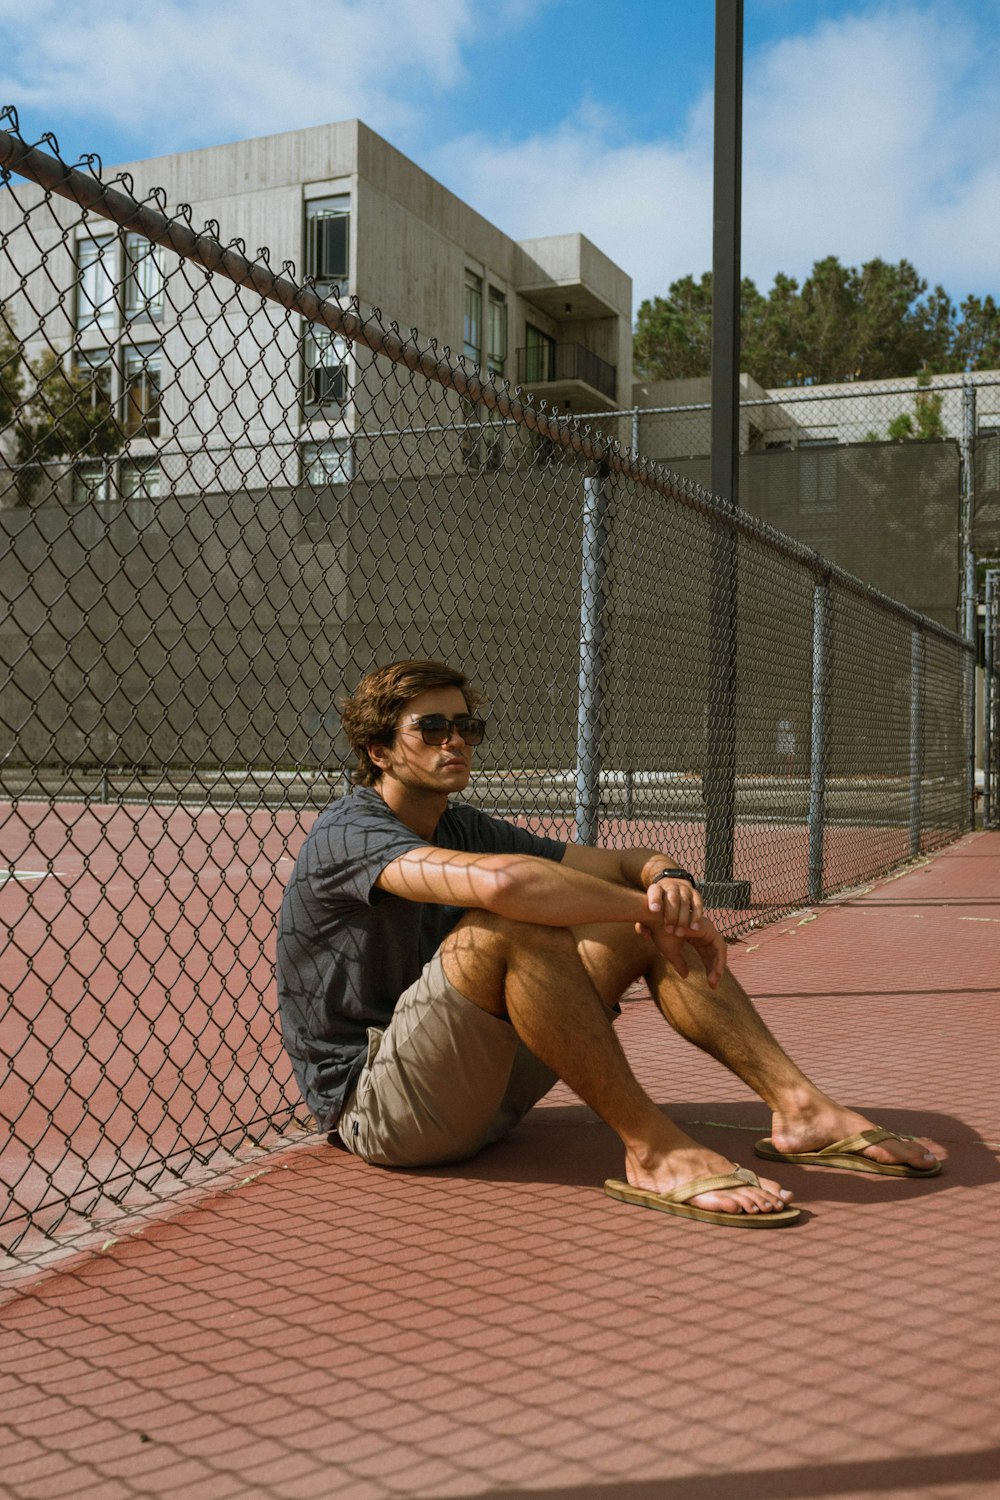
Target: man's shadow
[{"x": 565, "y": 1143}]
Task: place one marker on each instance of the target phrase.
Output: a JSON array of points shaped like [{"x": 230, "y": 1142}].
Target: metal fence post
[
  {"x": 820, "y": 733},
  {"x": 588, "y": 711},
  {"x": 969, "y": 624},
  {"x": 995, "y": 638},
  {"x": 721, "y": 889},
  {"x": 989, "y": 700},
  {"x": 917, "y": 657}
]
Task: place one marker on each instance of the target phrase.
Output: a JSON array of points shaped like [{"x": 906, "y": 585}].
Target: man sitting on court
[{"x": 439, "y": 969}]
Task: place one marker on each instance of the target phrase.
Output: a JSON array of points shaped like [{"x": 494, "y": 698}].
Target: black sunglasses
[{"x": 436, "y": 729}]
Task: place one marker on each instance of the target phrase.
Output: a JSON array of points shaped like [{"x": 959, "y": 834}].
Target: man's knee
[
  {"x": 489, "y": 929},
  {"x": 480, "y": 952},
  {"x": 614, "y": 956}
]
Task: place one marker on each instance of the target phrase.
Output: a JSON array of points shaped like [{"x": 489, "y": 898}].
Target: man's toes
[
  {"x": 919, "y": 1155},
  {"x": 774, "y": 1205},
  {"x": 765, "y": 1205},
  {"x": 902, "y": 1153},
  {"x": 778, "y": 1195},
  {"x": 754, "y": 1202}
]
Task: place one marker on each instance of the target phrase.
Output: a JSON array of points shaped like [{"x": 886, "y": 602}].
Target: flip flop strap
[
  {"x": 857, "y": 1143},
  {"x": 738, "y": 1177}
]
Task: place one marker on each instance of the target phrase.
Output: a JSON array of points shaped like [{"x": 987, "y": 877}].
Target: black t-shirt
[{"x": 346, "y": 950}]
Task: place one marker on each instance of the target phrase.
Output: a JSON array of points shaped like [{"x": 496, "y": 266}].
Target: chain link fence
[
  {"x": 991, "y": 697},
  {"x": 199, "y": 558},
  {"x": 896, "y": 481}
]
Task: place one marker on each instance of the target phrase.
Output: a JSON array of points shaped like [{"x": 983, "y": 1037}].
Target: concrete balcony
[{"x": 569, "y": 376}]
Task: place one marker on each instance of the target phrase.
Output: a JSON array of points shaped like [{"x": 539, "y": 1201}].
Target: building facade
[{"x": 199, "y": 394}]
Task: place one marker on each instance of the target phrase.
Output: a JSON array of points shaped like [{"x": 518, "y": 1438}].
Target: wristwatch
[{"x": 676, "y": 874}]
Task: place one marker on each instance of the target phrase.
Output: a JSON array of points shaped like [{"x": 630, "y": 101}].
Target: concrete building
[
  {"x": 201, "y": 394},
  {"x": 817, "y": 415},
  {"x": 267, "y": 507},
  {"x": 868, "y": 474}
]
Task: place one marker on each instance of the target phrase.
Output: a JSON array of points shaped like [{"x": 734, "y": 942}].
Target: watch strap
[{"x": 675, "y": 873}]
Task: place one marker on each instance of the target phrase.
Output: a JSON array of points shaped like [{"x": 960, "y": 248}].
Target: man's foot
[
  {"x": 674, "y": 1169},
  {"x": 802, "y": 1135},
  {"x": 683, "y": 1201}
]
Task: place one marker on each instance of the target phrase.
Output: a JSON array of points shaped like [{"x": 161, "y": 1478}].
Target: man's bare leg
[
  {"x": 724, "y": 1023},
  {"x": 534, "y": 977}
]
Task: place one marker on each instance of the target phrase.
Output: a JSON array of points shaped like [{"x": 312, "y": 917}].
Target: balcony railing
[{"x": 561, "y": 362}]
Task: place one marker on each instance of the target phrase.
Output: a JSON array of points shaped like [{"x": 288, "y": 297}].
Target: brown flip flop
[
  {"x": 676, "y": 1201},
  {"x": 848, "y": 1155}
]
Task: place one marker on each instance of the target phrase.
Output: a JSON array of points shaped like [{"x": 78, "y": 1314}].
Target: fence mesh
[
  {"x": 991, "y": 697},
  {"x": 869, "y": 475},
  {"x": 224, "y": 497}
]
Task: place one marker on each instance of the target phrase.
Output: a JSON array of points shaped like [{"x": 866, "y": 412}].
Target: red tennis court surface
[
  {"x": 502, "y": 1329},
  {"x": 141, "y": 945}
]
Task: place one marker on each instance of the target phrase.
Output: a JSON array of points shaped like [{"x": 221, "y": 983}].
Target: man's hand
[
  {"x": 677, "y": 916},
  {"x": 676, "y": 903}
]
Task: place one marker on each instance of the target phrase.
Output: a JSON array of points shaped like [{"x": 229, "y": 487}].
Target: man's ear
[{"x": 378, "y": 753}]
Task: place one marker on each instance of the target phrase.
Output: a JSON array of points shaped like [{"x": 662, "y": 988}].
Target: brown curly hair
[{"x": 370, "y": 713}]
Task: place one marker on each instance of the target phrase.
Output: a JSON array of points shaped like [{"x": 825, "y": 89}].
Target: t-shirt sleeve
[
  {"x": 353, "y": 847},
  {"x": 487, "y": 835}
]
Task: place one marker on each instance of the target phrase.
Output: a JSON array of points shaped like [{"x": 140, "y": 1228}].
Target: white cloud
[
  {"x": 646, "y": 204},
  {"x": 871, "y": 135},
  {"x": 854, "y": 147},
  {"x": 181, "y": 72}
]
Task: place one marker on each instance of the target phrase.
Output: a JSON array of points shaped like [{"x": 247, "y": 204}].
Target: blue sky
[{"x": 871, "y": 127}]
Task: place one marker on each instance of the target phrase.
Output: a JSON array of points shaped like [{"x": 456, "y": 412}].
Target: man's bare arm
[
  {"x": 681, "y": 905},
  {"x": 524, "y": 888},
  {"x": 519, "y": 886}
]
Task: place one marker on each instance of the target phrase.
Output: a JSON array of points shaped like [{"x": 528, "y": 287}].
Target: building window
[
  {"x": 141, "y": 373},
  {"x": 472, "y": 316},
  {"x": 96, "y": 288},
  {"x": 143, "y": 278},
  {"x": 328, "y": 235},
  {"x": 539, "y": 355},
  {"x": 496, "y": 343},
  {"x": 92, "y": 483},
  {"x": 328, "y": 463},
  {"x": 325, "y": 359},
  {"x": 95, "y": 369}
]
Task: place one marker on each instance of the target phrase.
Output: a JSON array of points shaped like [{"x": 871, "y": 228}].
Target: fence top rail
[
  {"x": 113, "y": 201},
  {"x": 799, "y": 395}
]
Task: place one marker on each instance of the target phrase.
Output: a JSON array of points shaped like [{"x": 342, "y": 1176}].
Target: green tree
[
  {"x": 771, "y": 330},
  {"x": 673, "y": 334},
  {"x": 926, "y": 421},
  {"x": 843, "y": 323},
  {"x": 64, "y": 417},
  {"x": 976, "y": 341},
  {"x": 11, "y": 378}
]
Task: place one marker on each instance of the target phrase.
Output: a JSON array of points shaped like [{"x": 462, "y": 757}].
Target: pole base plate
[{"x": 733, "y": 895}]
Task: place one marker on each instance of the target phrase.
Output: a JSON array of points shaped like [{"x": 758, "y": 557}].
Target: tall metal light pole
[{"x": 720, "y": 764}]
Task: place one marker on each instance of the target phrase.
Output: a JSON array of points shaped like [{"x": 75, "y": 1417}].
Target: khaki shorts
[{"x": 443, "y": 1080}]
